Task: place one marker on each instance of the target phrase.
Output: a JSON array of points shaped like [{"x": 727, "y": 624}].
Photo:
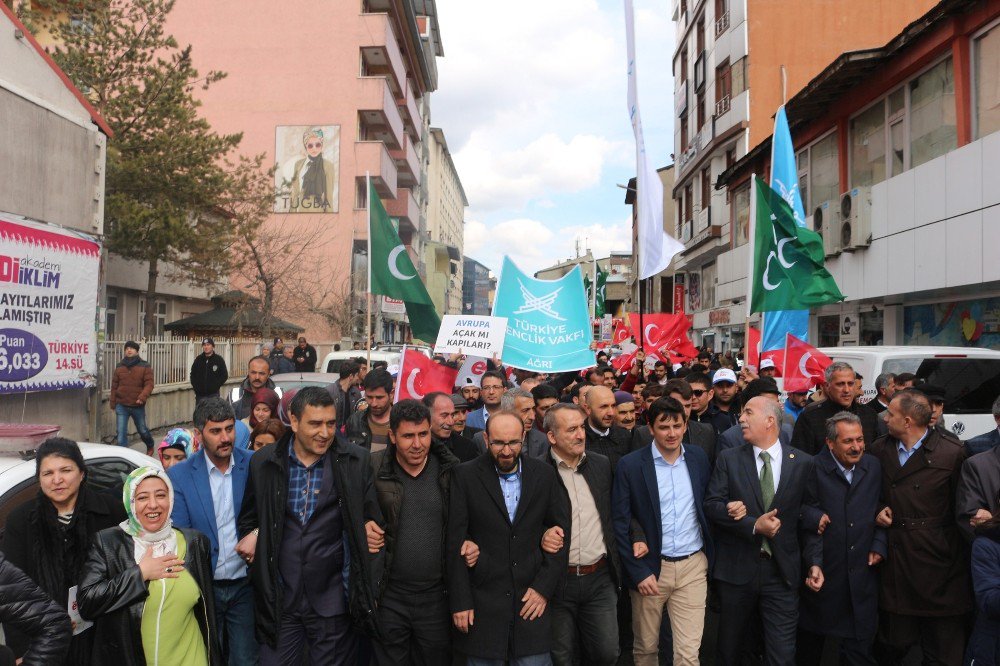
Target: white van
[
  {"x": 969, "y": 376},
  {"x": 333, "y": 360}
]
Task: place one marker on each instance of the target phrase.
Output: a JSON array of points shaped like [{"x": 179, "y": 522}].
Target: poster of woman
[{"x": 307, "y": 178}]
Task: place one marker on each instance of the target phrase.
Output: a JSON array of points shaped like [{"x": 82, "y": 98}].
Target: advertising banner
[
  {"x": 548, "y": 326},
  {"x": 48, "y": 300}
]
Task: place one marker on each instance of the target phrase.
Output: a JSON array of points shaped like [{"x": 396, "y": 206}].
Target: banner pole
[{"x": 368, "y": 298}]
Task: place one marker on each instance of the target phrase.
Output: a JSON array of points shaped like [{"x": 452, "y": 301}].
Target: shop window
[
  {"x": 986, "y": 70},
  {"x": 708, "y": 278},
  {"x": 868, "y": 146},
  {"x": 871, "y": 328},
  {"x": 741, "y": 216},
  {"x": 829, "y": 330},
  {"x": 932, "y": 114},
  {"x": 824, "y": 171}
]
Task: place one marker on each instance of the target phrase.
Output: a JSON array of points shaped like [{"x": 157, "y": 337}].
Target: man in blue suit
[
  {"x": 662, "y": 488},
  {"x": 491, "y": 388},
  {"x": 987, "y": 441},
  {"x": 208, "y": 492},
  {"x": 846, "y": 485}
]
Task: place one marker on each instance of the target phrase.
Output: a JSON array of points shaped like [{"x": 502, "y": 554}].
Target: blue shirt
[
  {"x": 848, "y": 473},
  {"x": 681, "y": 532},
  {"x": 904, "y": 455},
  {"x": 229, "y": 566},
  {"x": 510, "y": 488},
  {"x": 303, "y": 486}
]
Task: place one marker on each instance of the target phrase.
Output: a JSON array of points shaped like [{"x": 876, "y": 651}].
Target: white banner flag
[{"x": 656, "y": 247}]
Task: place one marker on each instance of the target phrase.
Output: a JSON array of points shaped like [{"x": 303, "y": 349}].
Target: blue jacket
[
  {"x": 477, "y": 419},
  {"x": 981, "y": 443},
  {"x": 193, "y": 505},
  {"x": 847, "y": 605},
  {"x": 984, "y": 645},
  {"x": 635, "y": 496}
]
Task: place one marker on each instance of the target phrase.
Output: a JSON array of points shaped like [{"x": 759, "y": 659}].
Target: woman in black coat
[
  {"x": 984, "y": 645},
  {"x": 147, "y": 559},
  {"x": 49, "y": 537}
]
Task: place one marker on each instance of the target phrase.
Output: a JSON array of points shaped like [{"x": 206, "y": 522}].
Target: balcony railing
[
  {"x": 722, "y": 106},
  {"x": 722, "y": 24}
]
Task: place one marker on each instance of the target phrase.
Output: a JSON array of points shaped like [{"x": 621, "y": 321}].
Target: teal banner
[{"x": 548, "y": 323}]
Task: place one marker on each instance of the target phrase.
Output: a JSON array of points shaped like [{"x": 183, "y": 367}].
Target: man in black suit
[
  {"x": 768, "y": 388},
  {"x": 588, "y": 597},
  {"x": 754, "y": 500},
  {"x": 603, "y": 436},
  {"x": 442, "y": 409},
  {"x": 662, "y": 488},
  {"x": 845, "y": 484},
  {"x": 503, "y": 503},
  {"x": 986, "y": 441}
]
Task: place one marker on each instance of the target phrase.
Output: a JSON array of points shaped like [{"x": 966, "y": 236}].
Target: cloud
[{"x": 547, "y": 166}]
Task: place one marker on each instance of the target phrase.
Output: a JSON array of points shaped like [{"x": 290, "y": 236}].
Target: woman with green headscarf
[{"x": 148, "y": 585}]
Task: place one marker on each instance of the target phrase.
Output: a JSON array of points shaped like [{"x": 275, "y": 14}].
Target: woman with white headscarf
[{"x": 148, "y": 585}]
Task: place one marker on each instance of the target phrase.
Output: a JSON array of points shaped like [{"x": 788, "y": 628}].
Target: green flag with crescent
[
  {"x": 788, "y": 269},
  {"x": 394, "y": 275}
]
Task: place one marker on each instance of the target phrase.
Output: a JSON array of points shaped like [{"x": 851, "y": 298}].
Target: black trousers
[
  {"x": 851, "y": 652},
  {"x": 584, "y": 621},
  {"x": 779, "y": 611},
  {"x": 330, "y": 640},
  {"x": 941, "y": 639},
  {"x": 415, "y": 628}
]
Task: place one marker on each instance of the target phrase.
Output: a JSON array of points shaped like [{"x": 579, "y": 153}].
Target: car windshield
[
  {"x": 970, "y": 384},
  {"x": 289, "y": 384}
]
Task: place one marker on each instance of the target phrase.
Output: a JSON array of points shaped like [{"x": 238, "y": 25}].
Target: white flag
[{"x": 656, "y": 246}]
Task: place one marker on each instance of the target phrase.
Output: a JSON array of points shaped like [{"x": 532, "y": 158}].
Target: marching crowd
[{"x": 686, "y": 514}]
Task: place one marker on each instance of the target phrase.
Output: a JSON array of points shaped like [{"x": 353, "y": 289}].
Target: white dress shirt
[{"x": 775, "y": 453}]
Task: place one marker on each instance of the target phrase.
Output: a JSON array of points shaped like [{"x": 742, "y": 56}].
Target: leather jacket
[
  {"x": 113, "y": 594},
  {"x": 25, "y": 606},
  {"x": 264, "y": 504}
]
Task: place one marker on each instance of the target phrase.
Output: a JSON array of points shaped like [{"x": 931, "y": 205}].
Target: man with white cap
[
  {"x": 767, "y": 368},
  {"x": 726, "y": 395}
]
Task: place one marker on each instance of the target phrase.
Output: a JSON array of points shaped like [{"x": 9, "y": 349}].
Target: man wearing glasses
[
  {"x": 499, "y": 600},
  {"x": 491, "y": 388}
]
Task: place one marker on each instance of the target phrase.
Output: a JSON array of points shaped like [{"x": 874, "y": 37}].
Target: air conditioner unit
[
  {"x": 826, "y": 222},
  {"x": 856, "y": 219}
]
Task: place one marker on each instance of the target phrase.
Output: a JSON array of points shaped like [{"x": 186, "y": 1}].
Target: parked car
[
  {"x": 295, "y": 380},
  {"x": 333, "y": 360},
  {"x": 107, "y": 467},
  {"x": 970, "y": 377}
]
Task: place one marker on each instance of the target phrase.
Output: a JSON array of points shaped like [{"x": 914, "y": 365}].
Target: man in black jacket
[
  {"x": 26, "y": 607},
  {"x": 503, "y": 503},
  {"x": 809, "y": 434},
  {"x": 587, "y": 602},
  {"x": 603, "y": 436},
  {"x": 442, "y": 413},
  {"x": 305, "y": 356},
  {"x": 258, "y": 376},
  {"x": 412, "y": 482},
  {"x": 369, "y": 428},
  {"x": 208, "y": 372},
  {"x": 303, "y": 495}
]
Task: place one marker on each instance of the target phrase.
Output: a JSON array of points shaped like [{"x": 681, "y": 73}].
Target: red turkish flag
[
  {"x": 665, "y": 335},
  {"x": 752, "y": 351},
  {"x": 419, "y": 375},
  {"x": 804, "y": 365},
  {"x": 623, "y": 362},
  {"x": 621, "y": 334}
]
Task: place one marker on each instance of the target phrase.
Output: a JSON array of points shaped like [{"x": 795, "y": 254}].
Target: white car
[{"x": 107, "y": 467}]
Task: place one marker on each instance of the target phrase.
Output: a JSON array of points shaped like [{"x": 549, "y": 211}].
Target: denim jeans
[
  {"x": 138, "y": 415},
  {"x": 235, "y": 621}
]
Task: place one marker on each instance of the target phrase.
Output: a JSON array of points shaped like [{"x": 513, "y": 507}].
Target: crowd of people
[{"x": 686, "y": 512}]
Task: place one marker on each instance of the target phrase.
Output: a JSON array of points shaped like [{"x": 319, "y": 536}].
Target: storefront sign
[
  {"x": 48, "y": 301},
  {"x": 719, "y": 316},
  {"x": 678, "y": 298}
]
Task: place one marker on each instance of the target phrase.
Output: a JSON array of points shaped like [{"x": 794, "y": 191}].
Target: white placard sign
[{"x": 471, "y": 334}]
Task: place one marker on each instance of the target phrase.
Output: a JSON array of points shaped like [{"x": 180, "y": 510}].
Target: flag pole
[
  {"x": 593, "y": 291},
  {"x": 751, "y": 229},
  {"x": 368, "y": 299}
]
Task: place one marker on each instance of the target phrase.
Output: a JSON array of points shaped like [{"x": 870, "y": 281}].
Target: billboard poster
[
  {"x": 48, "y": 300},
  {"x": 307, "y": 178}
]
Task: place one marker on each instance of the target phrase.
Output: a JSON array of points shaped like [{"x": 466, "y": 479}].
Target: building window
[
  {"x": 721, "y": 17},
  {"x": 739, "y": 76},
  {"x": 708, "y": 279},
  {"x": 160, "y": 316},
  {"x": 723, "y": 88},
  {"x": 802, "y": 168},
  {"x": 986, "y": 69},
  {"x": 824, "y": 172},
  {"x": 700, "y": 34},
  {"x": 700, "y": 106},
  {"x": 828, "y": 327},
  {"x": 868, "y": 146},
  {"x": 111, "y": 315},
  {"x": 684, "y": 133},
  {"x": 688, "y": 203},
  {"x": 684, "y": 65},
  {"x": 706, "y": 188},
  {"x": 932, "y": 114},
  {"x": 741, "y": 216}
]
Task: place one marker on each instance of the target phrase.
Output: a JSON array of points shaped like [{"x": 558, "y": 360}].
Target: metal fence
[{"x": 171, "y": 357}]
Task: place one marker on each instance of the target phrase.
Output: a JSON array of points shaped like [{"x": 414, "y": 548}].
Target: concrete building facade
[
  {"x": 53, "y": 150},
  {"x": 910, "y": 136},
  {"x": 478, "y": 288},
  {"x": 725, "y": 49},
  {"x": 332, "y": 92},
  {"x": 446, "y": 204}
]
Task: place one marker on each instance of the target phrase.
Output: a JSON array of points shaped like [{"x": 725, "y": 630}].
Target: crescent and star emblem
[
  {"x": 394, "y": 267},
  {"x": 649, "y": 336},
  {"x": 410, "y": 379},
  {"x": 802, "y": 364},
  {"x": 779, "y": 254}
]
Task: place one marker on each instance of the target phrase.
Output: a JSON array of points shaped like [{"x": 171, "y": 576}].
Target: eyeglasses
[
  {"x": 492, "y": 388},
  {"x": 698, "y": 392},
  {"x": 314, "y": 145},
  {"x": 500, "y": 446}
]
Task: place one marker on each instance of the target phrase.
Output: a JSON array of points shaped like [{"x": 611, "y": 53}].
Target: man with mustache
[{"x": 845, "y": 484}]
